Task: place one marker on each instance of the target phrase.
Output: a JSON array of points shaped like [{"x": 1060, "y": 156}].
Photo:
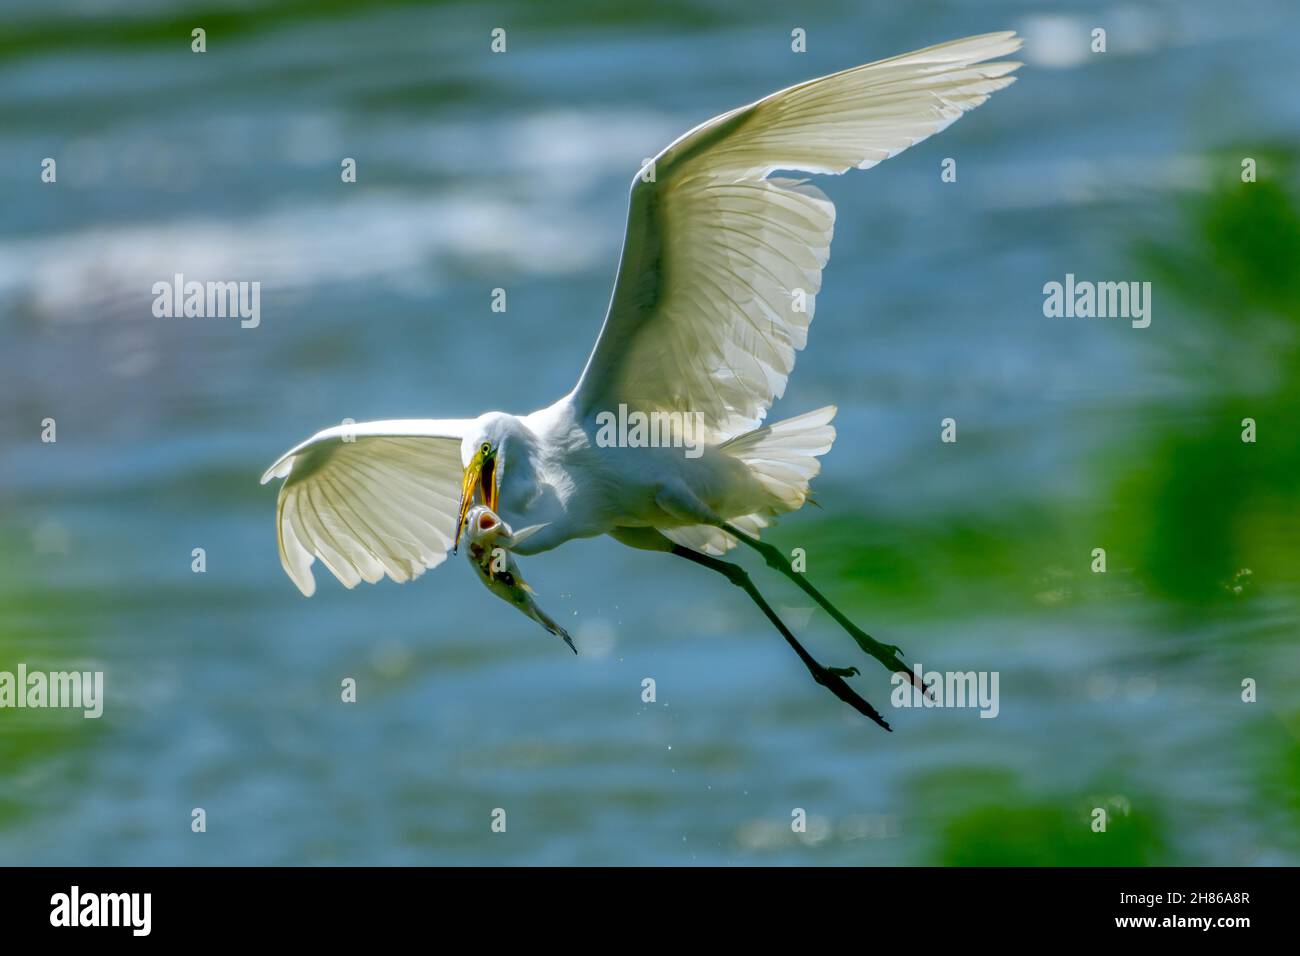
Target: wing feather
[
  {"x": 722, "y": 263},
  {"x": 369, "y": 500}
]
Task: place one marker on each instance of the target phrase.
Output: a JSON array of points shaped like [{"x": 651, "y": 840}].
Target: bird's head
[{"x": 482, "y": 452}]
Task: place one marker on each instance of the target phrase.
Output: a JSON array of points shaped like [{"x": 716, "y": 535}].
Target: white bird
[{"x": 715, "y": 290}]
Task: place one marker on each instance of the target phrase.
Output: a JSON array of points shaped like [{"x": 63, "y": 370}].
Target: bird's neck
[{"x": 520, "y": 465}]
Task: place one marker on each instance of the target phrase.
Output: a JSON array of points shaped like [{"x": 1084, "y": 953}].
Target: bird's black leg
[
  {"x": 887, "y": 654},
  {"x": 832, "y": 678}
]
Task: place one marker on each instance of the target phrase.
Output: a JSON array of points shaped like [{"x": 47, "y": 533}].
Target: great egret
[{"x": 713, "y": 298}]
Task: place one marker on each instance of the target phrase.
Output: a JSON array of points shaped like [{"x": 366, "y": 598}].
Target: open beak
[{"x": 480, "y": 475}]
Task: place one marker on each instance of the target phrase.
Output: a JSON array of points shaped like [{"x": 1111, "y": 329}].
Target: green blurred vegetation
[
  {"x": 46, "y": 628},
  {"x": 983, "y": 817},
  {"x": 1273, "y": 745},
  {"x": 55, "y": 32},
  {"x": 1189, "y": 513},
  {"x": 1206, "y": 506},
  {"x": 1200, "y": 527}
]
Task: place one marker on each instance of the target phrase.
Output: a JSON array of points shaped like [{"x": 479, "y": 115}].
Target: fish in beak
[
  {"x": 481, "y": 476},
  {"x": 488, "y": 549}
]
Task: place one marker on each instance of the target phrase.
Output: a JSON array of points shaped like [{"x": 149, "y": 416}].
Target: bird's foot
[
  {"x": 832, "y": 678},
  {"x": 562, "y": 633},
  {"x": 844, "y": 671}
]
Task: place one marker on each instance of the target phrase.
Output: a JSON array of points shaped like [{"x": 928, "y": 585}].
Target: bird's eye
[{"x": 485, "y": 448}]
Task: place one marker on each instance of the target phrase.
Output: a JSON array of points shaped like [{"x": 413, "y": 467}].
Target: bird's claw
[
  {"x": 832, "y": 678},
  {"x": 844, "y": 671},
  {"x": 563, "y": 634}
]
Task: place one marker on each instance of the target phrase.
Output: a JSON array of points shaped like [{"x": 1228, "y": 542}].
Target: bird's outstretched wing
[
  {"x": 369, "y": 499},
  {"x": 720, "y": 263}
]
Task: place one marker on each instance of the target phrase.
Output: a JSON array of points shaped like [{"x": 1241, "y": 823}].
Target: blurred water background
[{"x": 475, "y": 171}]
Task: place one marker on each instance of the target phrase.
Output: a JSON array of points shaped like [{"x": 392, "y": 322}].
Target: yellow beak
[{"x": 480, "y": 474}]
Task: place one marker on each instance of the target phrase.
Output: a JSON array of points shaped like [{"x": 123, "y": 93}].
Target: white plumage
[
  {"x": 716, "y": 253},
  {"x": 368, "y": 500},
  {"x": 716, "y": 288}
]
